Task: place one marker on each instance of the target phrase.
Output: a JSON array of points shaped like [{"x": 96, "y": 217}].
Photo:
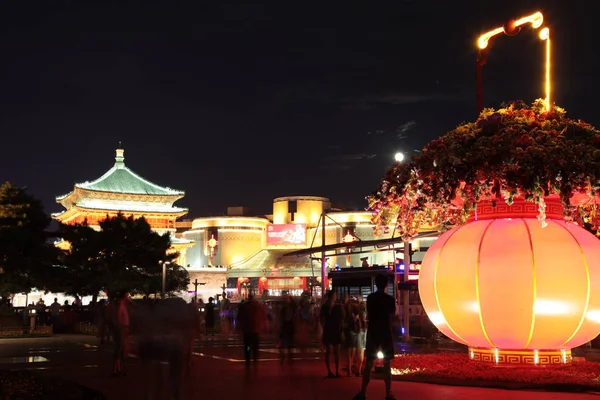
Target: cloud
[
  {"x": 402, "y": 98},
  {"x": 354, "y": 157},
  {"x": 363, "y": 102},
  {"x": 406, "y": 127}
]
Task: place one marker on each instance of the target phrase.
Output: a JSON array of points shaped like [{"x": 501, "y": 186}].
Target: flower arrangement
[
  {"x": 456, "y": 368},
  {"x": 514, "y": 151}
]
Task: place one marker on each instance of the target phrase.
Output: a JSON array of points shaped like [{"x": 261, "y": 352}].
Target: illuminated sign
[{"x": 286, "y": 234}]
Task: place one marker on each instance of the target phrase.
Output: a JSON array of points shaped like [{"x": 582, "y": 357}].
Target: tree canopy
[
  {"x": 26, "y": 252},
  {"x": 516, "y": 151},
  {"x": 126, "y": 254}
]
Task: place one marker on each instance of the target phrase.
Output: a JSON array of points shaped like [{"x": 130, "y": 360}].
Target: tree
[
  {"x": 83, "y": 271},
  {"x": 126, "y": 254},
  {"x": 177, "y": 278},
  {"x": 27, "y": 256}
]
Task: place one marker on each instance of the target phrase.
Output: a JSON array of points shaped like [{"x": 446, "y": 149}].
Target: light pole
[
  {"x": 324, "y": 283},
  {"x": 196, "y": 284},
  {"x": 164, "y": 278},
  {"x": 406, "y": 297},
  {"x": 511, "y": 28},
  {"x": 545, "y": 35}
]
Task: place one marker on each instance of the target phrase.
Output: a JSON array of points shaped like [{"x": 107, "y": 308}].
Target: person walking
[
  {"x": 332, "y": 321},
  {"x": 361, "y": 322},
  {"x": 287, "y": 328},
  {"x": 120, "y": 328},
  {"x": 303, "y": 330},
  {"x": 352, "y": 329},
  {"x": 252, "y": 320},
  {"x": 102, "y": 323},
  {"x": 55, "y": 315},
  {"x": 380, "y": 310},
  {"x": 209, "y": 317}
]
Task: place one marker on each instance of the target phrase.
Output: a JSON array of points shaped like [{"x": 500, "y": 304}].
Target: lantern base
[
  {"x": 521, "y": 357},
  {"x": 495, "y": 209}
]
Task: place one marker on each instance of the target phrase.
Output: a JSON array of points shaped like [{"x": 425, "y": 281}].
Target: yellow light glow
[
  {"x": 536, "y": 20},
  {"x": 230, "y": 222},
  {"x": 237, "y": 259},
  {"x": 349, "y": 238},
  {"x": 473, "y": 307},
  {"x": 594, "y": 316},
  {"x": 484, "y": 39},
  {"x": 551, "y": 307},
  {"x": 545, "y": 35},
  {"x": 437, "y": 318},
  {"x": 478, "y": 293},
  {"x": 212, "y": 242},
  {"x": 563, "y": 353}
]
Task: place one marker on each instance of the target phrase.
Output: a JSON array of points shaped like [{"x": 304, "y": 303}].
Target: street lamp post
[
  {"x": 511, "y": 28},
  {"x": 164, "y": 278},
  {"x": 545, "y": 35},
  {"x": 196, "y": 284},
  {"x": 406, "y": 298},
  {"x": 324, "y": 283}
]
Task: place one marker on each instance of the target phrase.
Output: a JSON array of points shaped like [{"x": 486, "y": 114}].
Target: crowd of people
[
  {"x": 365, "y": 331},
  {"x": 164, "y": 331}
]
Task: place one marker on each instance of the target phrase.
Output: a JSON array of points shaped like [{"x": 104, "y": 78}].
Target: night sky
[{"x": 238, "y": 102}]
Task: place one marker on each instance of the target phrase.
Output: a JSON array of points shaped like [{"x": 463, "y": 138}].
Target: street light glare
[{"x": 399, "y": 157}]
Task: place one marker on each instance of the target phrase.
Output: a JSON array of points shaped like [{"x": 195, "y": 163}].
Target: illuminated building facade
[
  {"x": 253, "y": 249},
  {"x": 120, "y": 190}
]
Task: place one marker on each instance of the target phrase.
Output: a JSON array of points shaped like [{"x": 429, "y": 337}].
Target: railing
[
  {"x": 86, "y": 328},
  {"x": 12, "y": 331}
]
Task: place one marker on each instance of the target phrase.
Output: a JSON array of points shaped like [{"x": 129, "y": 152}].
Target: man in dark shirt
[
  {"x": 332, "y": 322},
  {"x": 380, "y": 309},
  {"x": 209, "y": 317},
  {"x": 252, "y": 319}
]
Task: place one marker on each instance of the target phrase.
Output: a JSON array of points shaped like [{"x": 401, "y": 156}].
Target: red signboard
[{"x": 286, "y": 234}]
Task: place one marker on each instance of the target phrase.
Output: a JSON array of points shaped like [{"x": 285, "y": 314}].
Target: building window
[{"x": 292, "y": 209}]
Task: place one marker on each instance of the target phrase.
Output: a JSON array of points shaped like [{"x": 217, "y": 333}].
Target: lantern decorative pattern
[{"x": 514, "y": 290}]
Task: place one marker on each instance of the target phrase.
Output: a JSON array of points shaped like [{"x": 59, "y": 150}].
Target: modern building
[{"x": 273, "y": 254}]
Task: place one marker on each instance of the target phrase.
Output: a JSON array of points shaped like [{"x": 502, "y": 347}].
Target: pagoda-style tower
[{"x": 120, "y": 190}]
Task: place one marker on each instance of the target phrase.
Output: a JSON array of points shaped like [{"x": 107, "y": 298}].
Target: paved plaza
[{"x": 219, "y": 372}]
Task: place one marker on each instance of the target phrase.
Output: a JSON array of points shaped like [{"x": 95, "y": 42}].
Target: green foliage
[
  {"x": 513, "y": 151},
  {"x": 26, "y": 254},
  {"x": 124, "y": 255}
]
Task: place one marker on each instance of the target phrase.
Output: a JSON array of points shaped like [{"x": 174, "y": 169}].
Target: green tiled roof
[{"x": 120, "y": 179}]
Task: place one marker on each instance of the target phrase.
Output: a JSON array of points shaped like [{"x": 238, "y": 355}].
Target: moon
[{"x": 399, "y": 157}]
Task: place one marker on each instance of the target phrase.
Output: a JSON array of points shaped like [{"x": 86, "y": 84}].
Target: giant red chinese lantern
[{"x": 512, "y": 288}]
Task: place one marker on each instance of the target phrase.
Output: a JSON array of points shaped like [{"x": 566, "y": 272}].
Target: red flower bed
[{"x": 457, "y": 369}]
